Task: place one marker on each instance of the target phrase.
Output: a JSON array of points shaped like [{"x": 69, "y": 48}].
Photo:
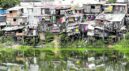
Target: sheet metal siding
[{"x": 2, "y": 18}]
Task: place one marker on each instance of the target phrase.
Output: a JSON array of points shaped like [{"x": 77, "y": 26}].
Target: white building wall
[{"x": 122, "y": 1}]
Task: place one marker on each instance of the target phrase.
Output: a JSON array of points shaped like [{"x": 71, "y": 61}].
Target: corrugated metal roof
[
  {"x": 111, "y": 17},
  {"x": 12, "y": 28},
  {"x": 88, "y": 22},
  {"x": 14, "y": 8},
  {"x": 122, "y": 1}
]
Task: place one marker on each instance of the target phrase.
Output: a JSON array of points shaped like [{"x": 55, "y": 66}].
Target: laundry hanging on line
[{"x": 108, "y": 9}]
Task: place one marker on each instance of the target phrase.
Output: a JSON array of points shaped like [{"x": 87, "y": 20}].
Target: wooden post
[{"x": 42, "y": 37}]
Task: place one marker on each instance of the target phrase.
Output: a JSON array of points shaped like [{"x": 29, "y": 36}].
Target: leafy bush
[
  {"x": 49, "y": 37},
  {"x": 8, "y": 3}
]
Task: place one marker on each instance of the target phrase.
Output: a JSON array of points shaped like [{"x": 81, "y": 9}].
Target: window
[
  {"x": 62, "y": 12},
  {"x": 10, "y": 11},
  {"x": 14, "y": 19},
  {"x": 47, "y": 11},
  {"x": 92, "y": 7},
  {"x": 57, "y": 12},
  {"x": 101, "y": 21},
  {"x": 128, "y": 10}
]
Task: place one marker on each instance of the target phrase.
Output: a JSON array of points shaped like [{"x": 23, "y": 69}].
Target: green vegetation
[
  {"x": 66, "y": 45},
  {"x": 8, "y": 3},
  {"x": 111, "y": 1}
]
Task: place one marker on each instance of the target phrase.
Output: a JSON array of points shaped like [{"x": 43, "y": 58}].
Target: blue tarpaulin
[{"x": 2, "y": 11}]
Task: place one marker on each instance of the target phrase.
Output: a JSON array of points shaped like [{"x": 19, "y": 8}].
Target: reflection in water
[
  {"x": 88, "y": 63},
  {"x": 115, "y": 67},
  {"x": 71, "y": 66}
]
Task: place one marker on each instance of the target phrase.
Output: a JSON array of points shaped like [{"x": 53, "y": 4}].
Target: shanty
[
  {"x": 64, "y": 35},
  {"x": 88, "y": 21}
]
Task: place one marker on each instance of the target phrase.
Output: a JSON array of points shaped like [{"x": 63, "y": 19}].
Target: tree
[
  {"x": 111, "y": 1},
  {"x": 8, "y": 3}
]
